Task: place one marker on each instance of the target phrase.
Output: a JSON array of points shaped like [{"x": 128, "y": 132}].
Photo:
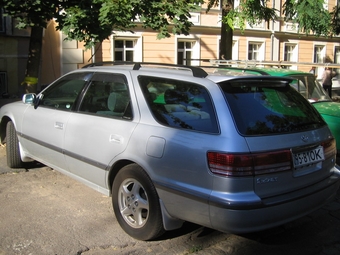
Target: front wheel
[
  {"x": 136, "y": 203},
  {"x": 12, "y": 147}
]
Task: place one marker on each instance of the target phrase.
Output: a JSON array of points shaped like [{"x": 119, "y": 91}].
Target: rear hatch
[{"x": 291, "y": 149}]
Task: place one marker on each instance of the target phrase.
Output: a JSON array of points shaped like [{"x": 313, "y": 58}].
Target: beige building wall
[
  {"x": 158, "y": 50},
  {"x": 50, "y": 55}
]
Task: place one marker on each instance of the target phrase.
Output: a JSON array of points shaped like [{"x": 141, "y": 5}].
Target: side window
[
  {"x": 107, "y": 95},
  {"x": 179, "y": 104},
  {"x": 64, "y": 92},
  {"x": 300, "y": 86}
]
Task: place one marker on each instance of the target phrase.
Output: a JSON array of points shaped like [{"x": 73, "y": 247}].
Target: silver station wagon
[{"x": 175, "y": 143}]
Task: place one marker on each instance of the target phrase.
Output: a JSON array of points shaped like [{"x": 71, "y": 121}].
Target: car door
[
  {"x": 100, "y": 130},
  {"x": 44, "y": 125}
]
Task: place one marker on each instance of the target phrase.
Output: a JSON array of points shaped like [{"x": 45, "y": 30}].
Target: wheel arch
[
  {"x": 3, "y": 126},
  {"x": 169, "y": 223},
  {"x": 115, "y": 169}
]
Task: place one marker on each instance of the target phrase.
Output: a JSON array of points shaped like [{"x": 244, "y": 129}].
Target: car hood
[{"x": 328, "y": 108}]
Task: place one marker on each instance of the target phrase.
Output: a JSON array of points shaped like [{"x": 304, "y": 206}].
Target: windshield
[
  {"x": 309, "y": 88},
  {"x": 263, "y": 108}
]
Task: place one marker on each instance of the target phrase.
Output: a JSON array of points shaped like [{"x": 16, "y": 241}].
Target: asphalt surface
[{"x": 45, "y": 212}]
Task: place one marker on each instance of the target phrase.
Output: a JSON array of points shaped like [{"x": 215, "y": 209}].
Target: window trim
[
  {"x": 195, "y": 50},
  {"x": 261, "y": 50},
  {"x": 137, "y": 48},
  {"x": 295, "y": 53}
]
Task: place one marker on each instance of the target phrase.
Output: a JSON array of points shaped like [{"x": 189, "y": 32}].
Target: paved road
[{"x": 45, "y": 212}]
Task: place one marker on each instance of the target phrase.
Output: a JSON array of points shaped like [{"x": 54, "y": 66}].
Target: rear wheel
[
  {"x": 12, "y": 147},
  {"x": 136, "y": 203}
]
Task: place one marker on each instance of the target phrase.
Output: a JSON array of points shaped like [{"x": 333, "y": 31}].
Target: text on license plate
[{"x": 308, "y": 157}]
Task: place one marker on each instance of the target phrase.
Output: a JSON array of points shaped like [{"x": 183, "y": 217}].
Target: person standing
[{"x": 327, "y": 76}]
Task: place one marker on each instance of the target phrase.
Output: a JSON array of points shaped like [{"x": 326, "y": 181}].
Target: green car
[{"x": 310, "y": 88}]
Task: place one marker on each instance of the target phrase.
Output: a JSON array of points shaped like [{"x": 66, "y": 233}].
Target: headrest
[{"x": 111, "y": 101}]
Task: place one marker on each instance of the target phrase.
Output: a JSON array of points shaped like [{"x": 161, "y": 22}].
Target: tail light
[
  {"x": 238, "y": 165},
  {"x": 329, "y": 148}
]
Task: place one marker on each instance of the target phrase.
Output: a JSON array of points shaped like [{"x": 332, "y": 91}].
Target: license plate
[{"x": 308, "y": 157}]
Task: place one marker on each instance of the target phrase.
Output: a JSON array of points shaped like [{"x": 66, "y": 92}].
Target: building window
[
  {"x": 337, "y": 55},
  {"x": 255, "y": 51},
  {"x": 319, "y": 54},
  {"x": 124, "y": 49},
  {"x": 195, "y": 18},
  {"x": 289, "y": 53},
  {"x": 3, "y": 83},
  {"x": 337, "y": 59},
  {"x": 185, "y": 52},
  {"x": 2, "y": 22}
]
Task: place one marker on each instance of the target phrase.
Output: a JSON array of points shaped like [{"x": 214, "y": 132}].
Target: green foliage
[
  {"x": 248, "y": 11},
  {"x": 254, "y": 11},
  {"x": 93, "y": 21},
  {"x": 336, "y": 20},
  {"x": 165, "y": 14},
  {"x": 310, "y": 15},
  {"x": 30, "y": 13}
]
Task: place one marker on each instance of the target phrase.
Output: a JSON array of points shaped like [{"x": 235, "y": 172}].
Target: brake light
[{"x": 238, "y": 165}]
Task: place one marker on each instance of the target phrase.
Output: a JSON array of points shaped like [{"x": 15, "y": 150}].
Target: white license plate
[{"x": 308, "y": 157}]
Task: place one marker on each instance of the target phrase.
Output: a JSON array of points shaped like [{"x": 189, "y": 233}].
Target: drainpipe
[{"x": 93, "y": 54}]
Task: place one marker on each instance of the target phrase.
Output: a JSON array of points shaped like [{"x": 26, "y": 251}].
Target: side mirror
[{"x": 29, "y": 98}]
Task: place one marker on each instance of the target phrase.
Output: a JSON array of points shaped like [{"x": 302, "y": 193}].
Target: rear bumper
[{"x": 257, "y": 215}]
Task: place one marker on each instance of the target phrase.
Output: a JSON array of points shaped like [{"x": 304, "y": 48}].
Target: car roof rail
[
  {"x": 243, "y": 69},
  {"x": 103, "y": 63},
  {"x": 196, "y": 71}
]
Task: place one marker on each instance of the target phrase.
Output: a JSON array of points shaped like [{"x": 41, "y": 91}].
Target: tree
[
  {"x": 34, "y": 14},
  {"x": 92, "y": 21},
  {"x": 123, "y": 15},
  {"x": 310, "y": 17}
]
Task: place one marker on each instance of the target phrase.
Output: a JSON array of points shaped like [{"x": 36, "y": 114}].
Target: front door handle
[{"x": 59, "y": 125}]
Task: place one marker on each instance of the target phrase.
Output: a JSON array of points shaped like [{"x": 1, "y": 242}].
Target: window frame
[
  {"x": 127, "y": 36},
  {"x": 61, "y": 103},
  {"x": 321, "y": 59},
  {"x": 109, "y": 83},
  {"x": 194, "y": 50},
  {"x": 124, "y": 49},
  {"x": 259, "y": 51}
]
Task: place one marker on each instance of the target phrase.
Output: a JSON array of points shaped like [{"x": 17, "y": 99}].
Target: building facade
[{"x": 276, "y": 41}]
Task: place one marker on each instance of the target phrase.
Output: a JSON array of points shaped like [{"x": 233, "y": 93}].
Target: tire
[
  {"x": 12, "y": 147},
  {"x": 136, "y": 204}
]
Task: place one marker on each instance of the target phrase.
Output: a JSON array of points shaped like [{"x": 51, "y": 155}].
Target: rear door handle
[{"x": 116, "y": 138}]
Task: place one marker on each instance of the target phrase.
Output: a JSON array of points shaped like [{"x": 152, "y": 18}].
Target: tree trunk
[
  {"x": 226, "y": 44},
  {"x": 33, "y": 62}
]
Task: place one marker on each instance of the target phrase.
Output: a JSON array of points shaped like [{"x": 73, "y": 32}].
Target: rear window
[
  {"x": 309, "y": 87},
  {"x": 263, "y": 107}
]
